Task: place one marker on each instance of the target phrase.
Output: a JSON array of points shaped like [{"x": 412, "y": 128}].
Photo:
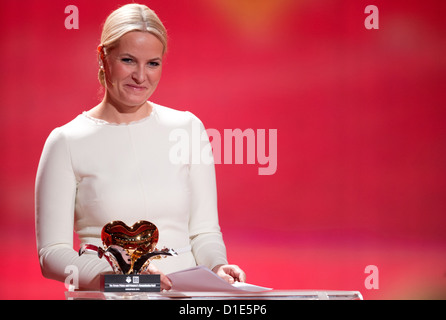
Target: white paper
[{"x": 202, "y": 279}]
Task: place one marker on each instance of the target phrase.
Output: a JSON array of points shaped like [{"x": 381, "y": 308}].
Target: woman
[{"x": 112, "y": 163}]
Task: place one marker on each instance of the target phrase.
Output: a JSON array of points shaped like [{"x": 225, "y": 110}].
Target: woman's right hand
[{"x": 166, "y": 284}]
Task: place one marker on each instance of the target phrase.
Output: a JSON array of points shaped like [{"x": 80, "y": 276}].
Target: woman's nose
[{"x": 138, "y": 74}]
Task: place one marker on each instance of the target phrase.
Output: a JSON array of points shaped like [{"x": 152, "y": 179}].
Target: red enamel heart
[{"x": 142, "y": 237}]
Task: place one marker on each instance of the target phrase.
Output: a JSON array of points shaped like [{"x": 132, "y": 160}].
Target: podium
[{"x": 191, "y": 295}]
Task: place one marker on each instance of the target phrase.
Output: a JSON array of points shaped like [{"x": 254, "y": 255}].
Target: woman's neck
[{"x": 113, "y": 114}]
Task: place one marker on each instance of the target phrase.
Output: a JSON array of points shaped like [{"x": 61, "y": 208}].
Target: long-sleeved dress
[{"x": 92, "y": 172}]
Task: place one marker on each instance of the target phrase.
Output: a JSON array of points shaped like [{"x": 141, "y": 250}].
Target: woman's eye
[
  {"x": 126, "y": 60},
  {"x": 154, "y": 64}
]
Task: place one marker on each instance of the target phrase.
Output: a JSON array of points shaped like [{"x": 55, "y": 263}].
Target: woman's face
[{"x": 133, "y": 69}]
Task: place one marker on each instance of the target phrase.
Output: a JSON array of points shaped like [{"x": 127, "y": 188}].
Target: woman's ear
[{"x": 101, "y": 56}]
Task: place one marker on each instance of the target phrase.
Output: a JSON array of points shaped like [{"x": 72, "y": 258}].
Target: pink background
[{"x": 360, "y": 116}]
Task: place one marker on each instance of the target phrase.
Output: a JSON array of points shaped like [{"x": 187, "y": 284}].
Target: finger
[
  {"x": 166, "y": 284},
  {"x": 241, "y": 277},
  {"x": 227, "y": 278},
  {"x": 236, "y": 272},
  {"x": 224, "y": 274}
]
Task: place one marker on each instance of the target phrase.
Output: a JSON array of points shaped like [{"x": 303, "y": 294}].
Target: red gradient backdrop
[{"x": 360, "y": 116}]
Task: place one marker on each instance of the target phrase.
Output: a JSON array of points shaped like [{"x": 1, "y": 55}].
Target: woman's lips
[{"x": 135, "y": 87}]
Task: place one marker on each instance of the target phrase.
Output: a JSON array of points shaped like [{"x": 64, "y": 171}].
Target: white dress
[{"x": 92, "y": 172}]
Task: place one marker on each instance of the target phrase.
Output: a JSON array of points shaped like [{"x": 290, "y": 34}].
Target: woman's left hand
[{"x": 230, "y": 273}]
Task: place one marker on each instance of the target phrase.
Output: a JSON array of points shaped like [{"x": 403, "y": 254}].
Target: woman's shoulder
[
  {"x": 76, "y": 128},
  {"x": 174, "y": 117}
]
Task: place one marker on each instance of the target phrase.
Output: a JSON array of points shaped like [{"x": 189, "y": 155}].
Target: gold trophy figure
[{"x": 129, "y": 250}]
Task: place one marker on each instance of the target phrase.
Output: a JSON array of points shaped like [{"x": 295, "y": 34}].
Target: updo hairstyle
[{"x": 130, "y": 17}]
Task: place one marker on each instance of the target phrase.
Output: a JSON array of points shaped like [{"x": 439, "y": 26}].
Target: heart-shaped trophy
[{"x": 129, "y": 250}]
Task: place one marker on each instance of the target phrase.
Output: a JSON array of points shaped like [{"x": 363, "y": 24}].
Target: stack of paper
[{"x": 202, "y": 279}]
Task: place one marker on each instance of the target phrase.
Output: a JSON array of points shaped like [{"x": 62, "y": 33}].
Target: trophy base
[{"x": 131, "y": 283}]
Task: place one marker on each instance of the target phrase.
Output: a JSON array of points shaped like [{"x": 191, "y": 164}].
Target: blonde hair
[{"x": 130, "y": 17}]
